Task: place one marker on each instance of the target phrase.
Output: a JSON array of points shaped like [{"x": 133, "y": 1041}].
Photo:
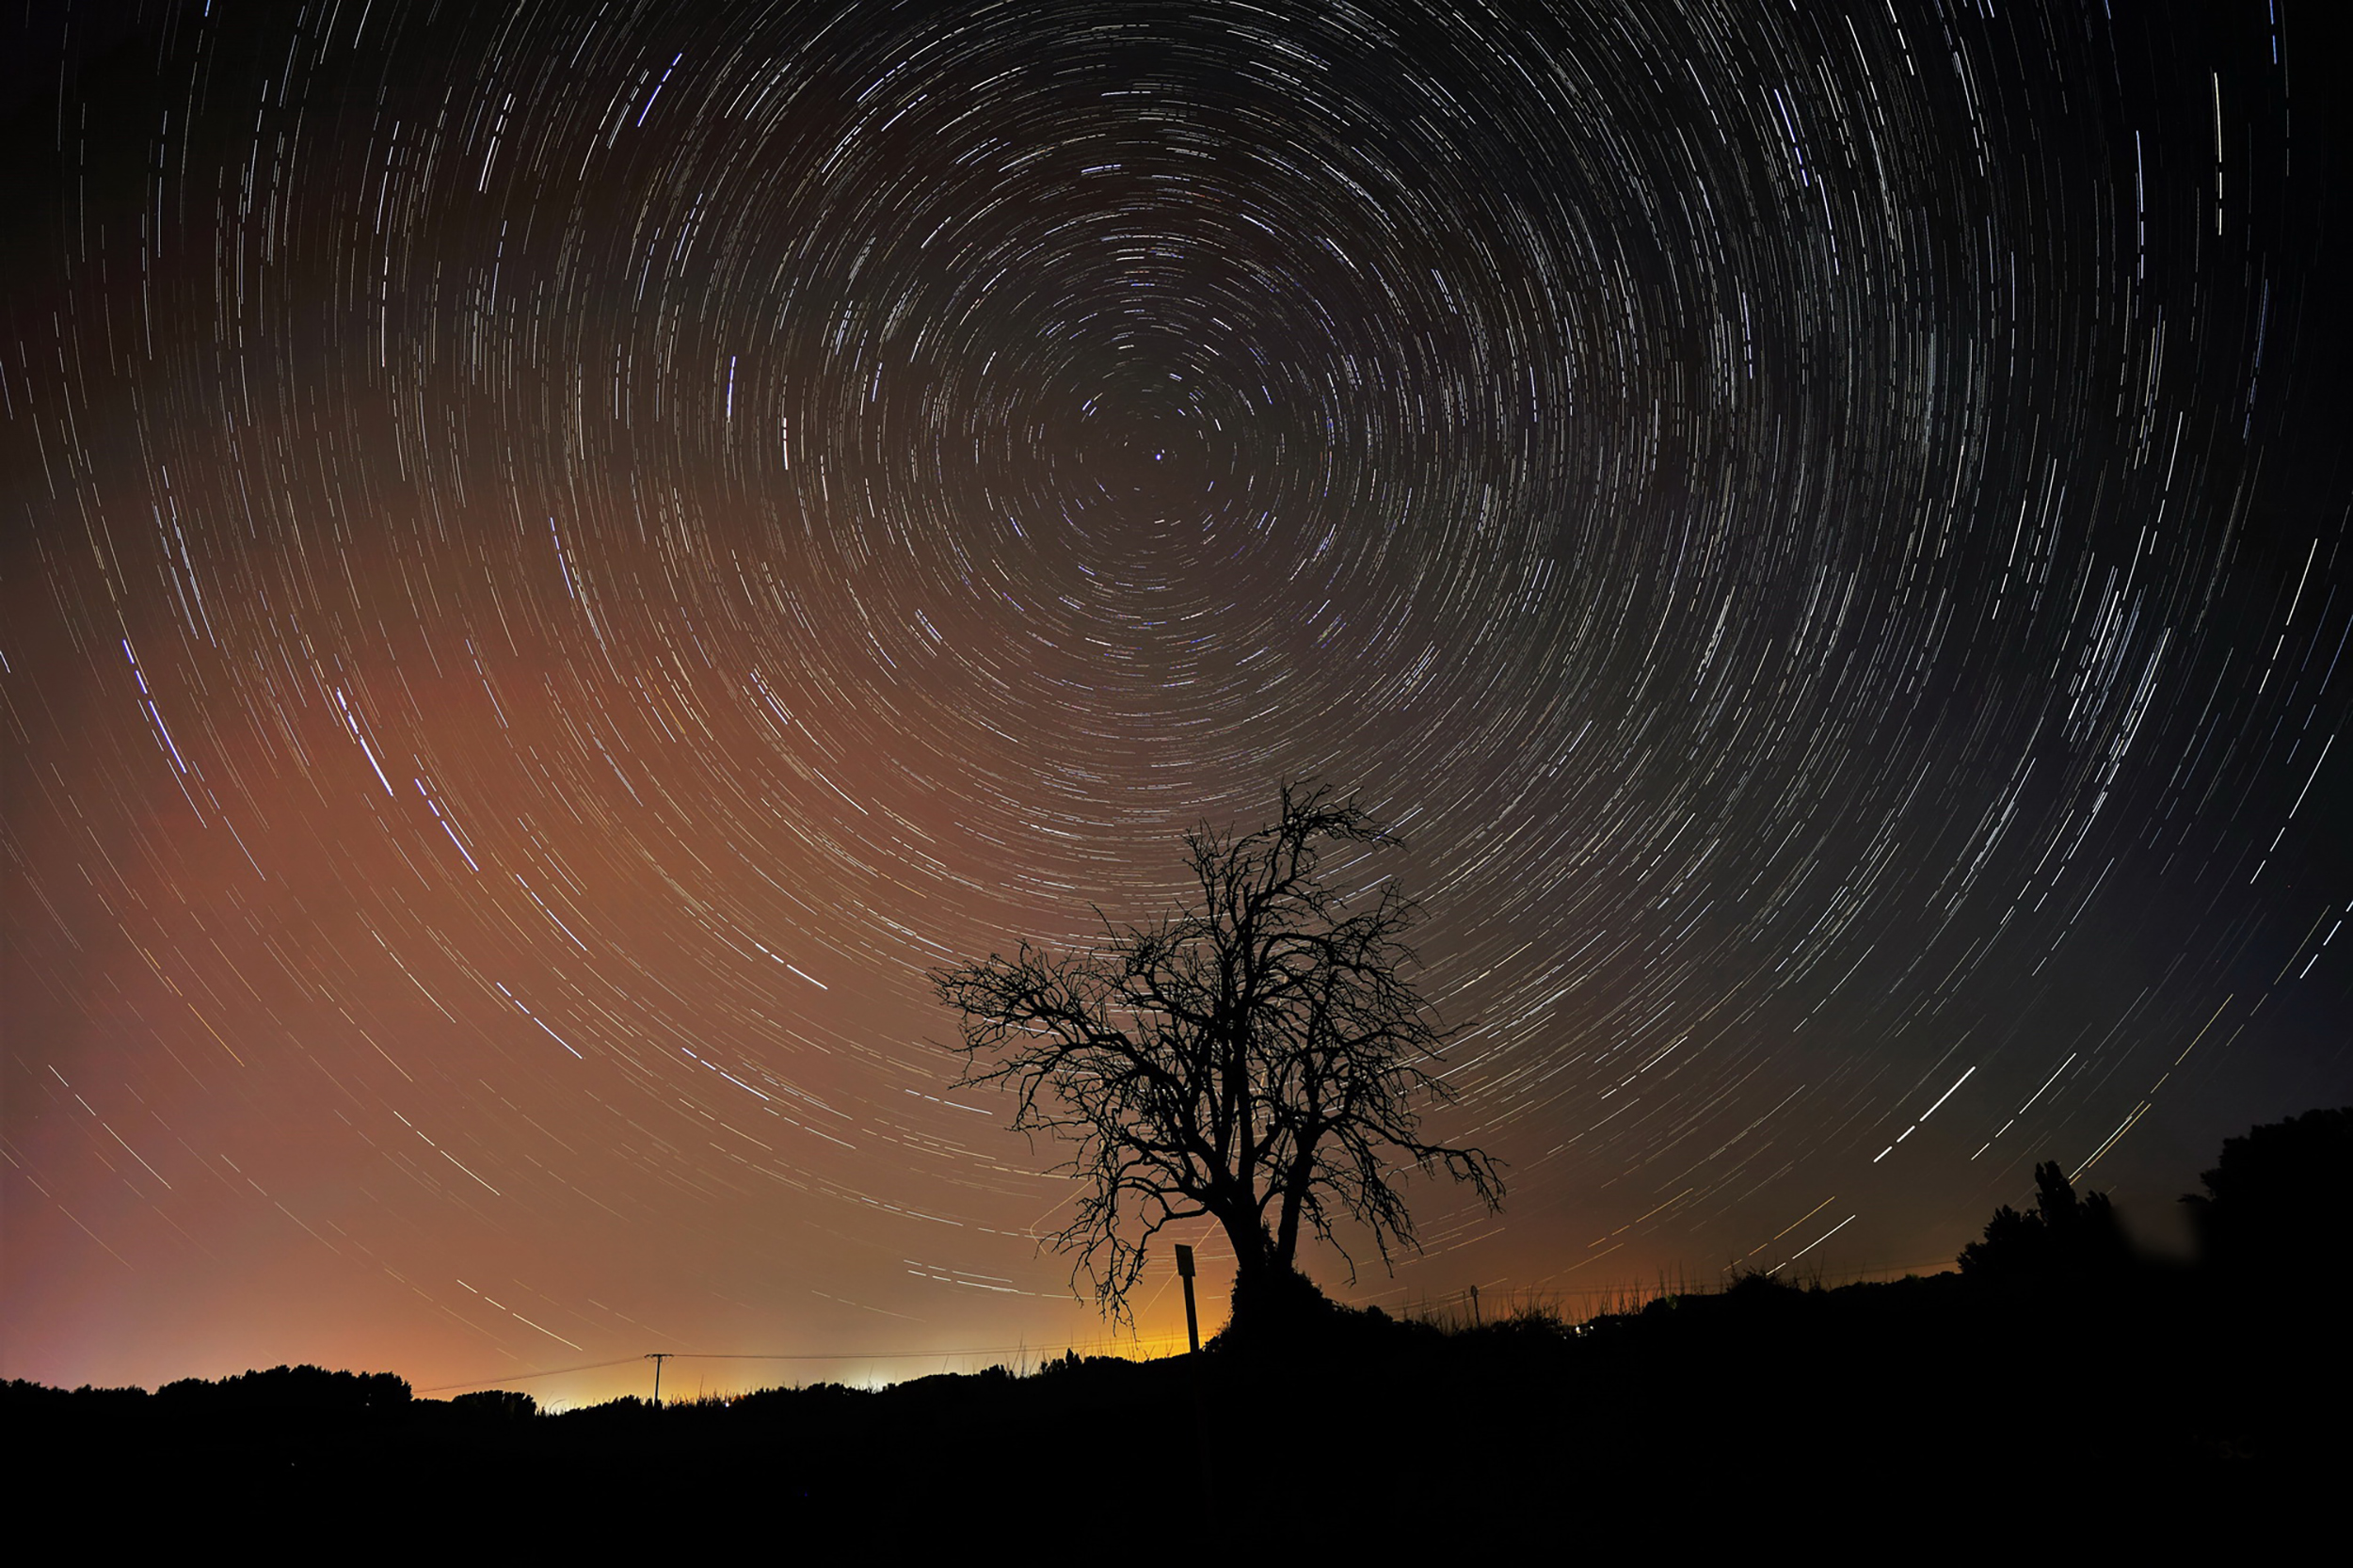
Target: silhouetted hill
[
  {"x": 2157, "y": 1392},
  {"x": 1983, "y": 1410}
]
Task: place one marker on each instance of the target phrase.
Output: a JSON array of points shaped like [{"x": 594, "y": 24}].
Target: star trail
[{"x": 559, "y": 556}]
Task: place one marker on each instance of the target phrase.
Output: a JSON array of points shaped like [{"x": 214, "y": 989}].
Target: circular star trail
[{"x": 558, "y": 558}]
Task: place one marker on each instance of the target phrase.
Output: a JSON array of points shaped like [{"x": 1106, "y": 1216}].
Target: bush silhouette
[{"x": 505, "y": 1404}]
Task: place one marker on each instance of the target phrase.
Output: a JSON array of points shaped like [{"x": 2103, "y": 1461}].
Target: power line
[
  {"x": 1172, "y": 1342},
  {"x": 527, "y": 1377},
  {"x": 798, "y": 1355}
]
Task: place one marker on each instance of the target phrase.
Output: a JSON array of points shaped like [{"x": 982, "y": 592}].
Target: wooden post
[
  {"x": 657, "y": 1358},
  {"x": 1193, "y": 1318}
]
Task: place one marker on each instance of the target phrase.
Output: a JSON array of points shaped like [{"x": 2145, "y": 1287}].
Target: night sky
[{"x": 554, "y": 559}]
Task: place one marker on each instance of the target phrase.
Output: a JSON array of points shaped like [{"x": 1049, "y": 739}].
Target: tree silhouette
[
  {"x": 2282, "y": 1194},
  {"x": 2065, "y": 1234},
  {"x": 1256, "y": 1057}
]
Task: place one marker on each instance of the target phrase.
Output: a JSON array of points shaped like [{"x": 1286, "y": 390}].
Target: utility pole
[{"x": 658, "y": 1357}]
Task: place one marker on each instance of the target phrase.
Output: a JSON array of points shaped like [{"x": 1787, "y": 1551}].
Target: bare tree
[{"x": 1256, "y": 1057}]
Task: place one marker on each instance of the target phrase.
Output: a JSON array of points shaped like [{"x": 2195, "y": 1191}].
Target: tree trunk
[{"x": 1273, "y": 1304}]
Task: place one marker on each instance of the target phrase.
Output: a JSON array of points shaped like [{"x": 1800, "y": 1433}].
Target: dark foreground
[{"x": 1952, "y": 1416}]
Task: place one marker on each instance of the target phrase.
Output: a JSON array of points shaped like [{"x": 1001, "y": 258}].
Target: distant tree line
[{"x": 2281, "y": 1196}]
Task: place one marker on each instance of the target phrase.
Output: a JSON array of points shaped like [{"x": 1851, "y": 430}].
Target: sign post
[
  {"x": 1193, "y": 1319},
  {"x": 1192, "y": 1380}
]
